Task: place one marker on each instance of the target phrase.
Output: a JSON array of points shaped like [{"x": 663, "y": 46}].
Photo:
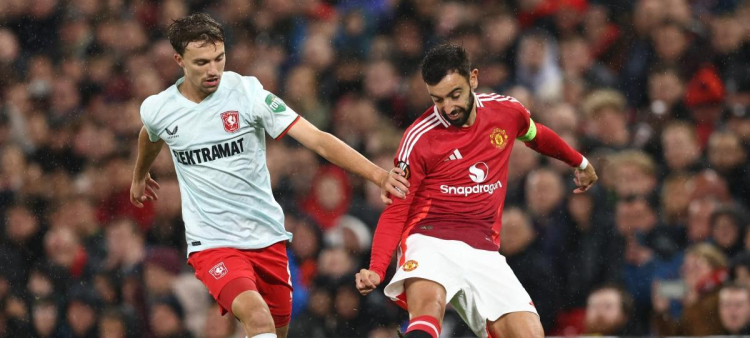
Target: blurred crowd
[{"x": 656, "y": 94}]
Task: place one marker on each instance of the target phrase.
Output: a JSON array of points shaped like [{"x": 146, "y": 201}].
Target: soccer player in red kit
[{"x": 455, "y": 157}]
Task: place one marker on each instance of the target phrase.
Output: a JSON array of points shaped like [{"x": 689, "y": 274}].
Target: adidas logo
[{"x": 455, "y": 156}]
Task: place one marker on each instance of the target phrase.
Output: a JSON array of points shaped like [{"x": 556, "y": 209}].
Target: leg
[
  {"x": 274, "y": 284},
  {"x": 253, "y": 313},
  {"x": 426, "y": 301},
  {"x": 517, "y": 324},
  {"x": 281, "y": 331}
]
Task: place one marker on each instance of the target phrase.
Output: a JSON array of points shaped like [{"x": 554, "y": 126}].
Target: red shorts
[{"x": 227, "y": 272}]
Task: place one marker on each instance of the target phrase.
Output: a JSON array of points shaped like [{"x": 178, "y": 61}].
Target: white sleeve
[
  {"x": 153, "y": 134},
  {"x": 269, "y": 111}
]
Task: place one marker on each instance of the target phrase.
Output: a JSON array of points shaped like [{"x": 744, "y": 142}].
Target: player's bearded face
[
  {"x": 454, "y": 97},
  {"x": 204, "y": 64},
  {"x": 461, "y": 112}
]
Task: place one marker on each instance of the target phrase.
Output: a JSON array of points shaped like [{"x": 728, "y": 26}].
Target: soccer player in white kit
[{"x": 215, "y": 124}]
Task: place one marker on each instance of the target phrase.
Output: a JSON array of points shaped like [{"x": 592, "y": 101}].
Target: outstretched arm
[
  {"x": 388, "y": 234},
  {"x": 546, "y": 142},
  {"x": 342, "y": 155},
  {"x": 390, "y": 230},
  {"x": 142, "y": 187}
]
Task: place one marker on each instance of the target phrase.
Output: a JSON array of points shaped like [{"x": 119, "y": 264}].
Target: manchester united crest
[
  {"x": 499, "y": 138},
  {"x": 410, "y": 265}
]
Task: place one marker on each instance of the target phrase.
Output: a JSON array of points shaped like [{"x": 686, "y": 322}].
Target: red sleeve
[
  {"x": 548, "y": 143},
  {"x": 391, "y": 225},
  {"x": 510, "y": 107}
]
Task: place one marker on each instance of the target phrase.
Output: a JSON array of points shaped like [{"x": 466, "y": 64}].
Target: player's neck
[{"x": 191, "y": 93}]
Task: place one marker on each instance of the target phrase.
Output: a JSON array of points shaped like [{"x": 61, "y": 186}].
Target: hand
[
  {"x": 142, "y": 191},
  {"x": 394, "y": 184},
  {"x": 659, "y": 303},
  {"x": 585, "y": 179},
  {"x": 367, "y": 280},
  {"x": 637, "y": 254}
]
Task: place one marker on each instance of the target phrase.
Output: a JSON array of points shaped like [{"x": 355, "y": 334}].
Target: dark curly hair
[
  {"x": 442, "y": 60},
  {"x": 196, "y": 27}
]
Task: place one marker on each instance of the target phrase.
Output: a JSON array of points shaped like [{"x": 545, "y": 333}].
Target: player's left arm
[
  {"x": 143, "y": 187},
  {"x": 546, "y": 142},
  {"x": 339, "y": 153}
]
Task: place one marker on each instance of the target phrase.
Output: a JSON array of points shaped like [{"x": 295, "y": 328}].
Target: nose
[
  {"x": 449, "y": 106},
  {"x": 213, "y": 69}
]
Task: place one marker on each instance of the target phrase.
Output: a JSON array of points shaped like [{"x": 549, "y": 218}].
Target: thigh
[
  {"x": 215, "y": 268},
  {"x": 427, "y": 258},
  {"x": 494, "y": 288},
  {"x": 274, "y": 281},
  {"x": 425, "y": 298},
  {"x": 516, "y": 324}
]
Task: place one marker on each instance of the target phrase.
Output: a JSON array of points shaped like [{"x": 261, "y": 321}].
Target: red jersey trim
[
  {"x": 440, "y": 116},
  {"x": 415, "y": 133},
  {"x": 287, "y": 128}
]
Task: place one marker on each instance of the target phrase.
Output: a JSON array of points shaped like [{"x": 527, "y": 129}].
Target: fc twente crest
[{"x": 231, "y": 120}]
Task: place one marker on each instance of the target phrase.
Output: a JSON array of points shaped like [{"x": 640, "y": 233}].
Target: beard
[
  {"x": 603, "y": 327},
  {"x": 463, "y": 112}
]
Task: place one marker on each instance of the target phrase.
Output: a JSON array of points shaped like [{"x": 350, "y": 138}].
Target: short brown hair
[
  {"x": 636, "y": 157},
  {"x": 603, "y": 98},
  {"x": 710, "y": 253},
  {"x": 678, "y": 125},
  {"x": 627, "y": 304},
  {"x": 196, "y": 27},
  {"x": 735, "y": 286}
]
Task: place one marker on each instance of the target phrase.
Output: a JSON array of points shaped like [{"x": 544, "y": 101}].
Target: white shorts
[{"x": 479, "y": 283}]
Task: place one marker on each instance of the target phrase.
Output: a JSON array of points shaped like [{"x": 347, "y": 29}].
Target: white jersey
[{"x": 219, "y": 152}]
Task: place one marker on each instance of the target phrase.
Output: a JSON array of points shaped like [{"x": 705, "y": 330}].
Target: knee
[
  {"x": 517, "y": 325},
  {"x": 521, "y": 332},
  {"x": 434, "y": 307},
  {"x": 535, "y": 331},
  {"x": 256, "y": 317}
]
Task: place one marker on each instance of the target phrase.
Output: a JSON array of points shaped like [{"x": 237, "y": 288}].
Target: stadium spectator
[
  {"x": 167, "y": 318},
  {"x": 650, "y": 250},
  {"x": 589, "y": 251},
  {"x": 734, "y": 309},
  {"x": 608, "y": 312},
  {"x": 680, "y": 148},
  {"x": 82, "y": 313},
  {"x": 607, "y": 121},
  {"x": 635, "y": 173},
  {"x": 531, "y": 266},
  {"x": 728, "y": 158},
  {"x": 728, "y": 230},
  {"x": 703, "y": 272}
]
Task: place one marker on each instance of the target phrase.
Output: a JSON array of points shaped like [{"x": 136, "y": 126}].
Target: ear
[
  {"x": 474, "y": 79},
  {"x": 179, "y": 60}
]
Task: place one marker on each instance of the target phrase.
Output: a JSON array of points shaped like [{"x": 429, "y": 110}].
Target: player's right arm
[{"x": 392, "y": 223}]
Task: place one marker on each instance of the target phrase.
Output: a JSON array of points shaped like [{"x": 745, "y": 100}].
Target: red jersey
[{"x": 458, "y": 175}]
